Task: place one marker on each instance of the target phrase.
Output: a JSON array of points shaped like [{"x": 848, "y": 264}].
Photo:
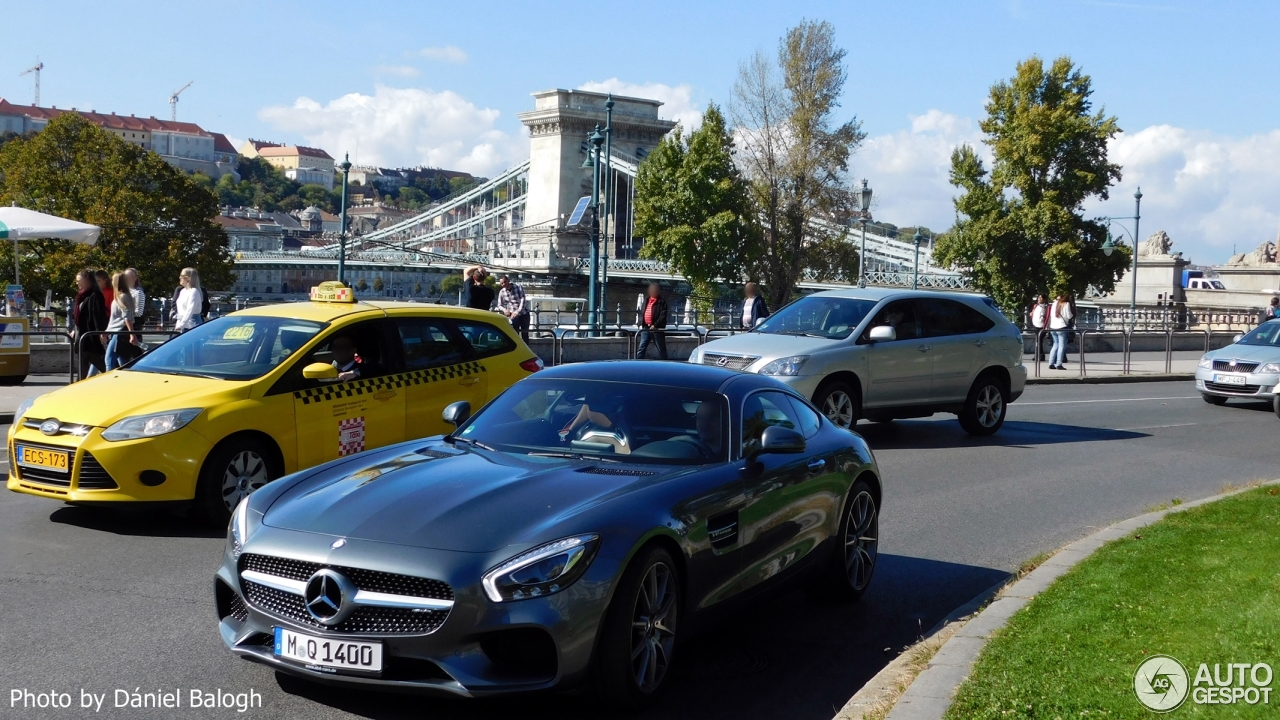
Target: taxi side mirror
[
  {"x": 320, "y": 371},
  {"x": 457, "y": 413},
  {"x": 883, "y": 333}
]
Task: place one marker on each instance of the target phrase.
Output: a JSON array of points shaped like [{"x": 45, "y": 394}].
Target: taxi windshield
[
  {"x": 236, "y": 347},
  {"x": 598, "y": 420}
]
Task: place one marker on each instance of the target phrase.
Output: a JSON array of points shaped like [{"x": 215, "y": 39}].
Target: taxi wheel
[{"x": 233, "y": 470}]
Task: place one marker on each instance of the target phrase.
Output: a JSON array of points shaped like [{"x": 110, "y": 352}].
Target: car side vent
[
  {"x": 723, "y": 530},
  {"x": 616, "y": 471}
]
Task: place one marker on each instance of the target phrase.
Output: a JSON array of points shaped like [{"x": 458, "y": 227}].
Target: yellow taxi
[{"x": 246, "y": 398}]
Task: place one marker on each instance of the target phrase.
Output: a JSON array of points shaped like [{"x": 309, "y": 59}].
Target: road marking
[
  {"x": 1078, "y": 402},
  {"x": 1157, "y": 427}
]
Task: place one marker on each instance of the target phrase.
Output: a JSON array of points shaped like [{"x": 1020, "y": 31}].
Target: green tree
[
  {"x": 153, "y": 216},
  {"x": 378, "y": 285},
  {"x": 361, "y": 285},
  {"x": 451, "y": 284},
  {"x": 1020, "y": 228},
  {"x": 417, "y": 289},
  {"x": 796, "y": 156},
  {"x": 692, "y": 206}
]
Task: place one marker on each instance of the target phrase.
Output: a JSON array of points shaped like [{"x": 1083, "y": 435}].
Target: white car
[
  {"x": 882, "y": 354},
  {"x": 1248, "y": 369}
]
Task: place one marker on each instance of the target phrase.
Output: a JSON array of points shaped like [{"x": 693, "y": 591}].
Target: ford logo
[{"x": 50, "y": 427}]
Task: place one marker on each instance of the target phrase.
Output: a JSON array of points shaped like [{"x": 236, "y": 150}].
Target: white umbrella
[{"x": 22, "y": 224}]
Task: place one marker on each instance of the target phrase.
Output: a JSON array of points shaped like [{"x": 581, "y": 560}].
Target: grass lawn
[{"x": 1201, "y": 585}]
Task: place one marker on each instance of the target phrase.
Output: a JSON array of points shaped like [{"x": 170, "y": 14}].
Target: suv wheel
[
  {"x": 985, "y": 407},
  {"x": 840, "y": 403}
]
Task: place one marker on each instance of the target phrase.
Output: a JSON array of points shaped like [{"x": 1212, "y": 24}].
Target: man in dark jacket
[
  {"x": 89, "y": 316},
  {"x": 653, "y": 320},
  {"x": 754, "y": 308},
  {"x": 481, "y": 297}
]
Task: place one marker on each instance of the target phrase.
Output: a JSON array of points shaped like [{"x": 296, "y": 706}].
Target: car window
[
  {"x": 1268, "y": 333},
  {"x": 809, "y": 420},
  {"x": 485, "y": 339},
  {"x": 762, "y": 410},
  {"x": 239, "y": 347},
  {"x": 371, "y": 356},
  {"x": 428, "y": 343},
  {"x": 947, "y": 317},
  {"x": 899, "y": 315},
  {"x": 822, "y": 316}
]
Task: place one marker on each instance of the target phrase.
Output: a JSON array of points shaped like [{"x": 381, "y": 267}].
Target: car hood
[
  {"x": 1248, "y": 353},
  {"x": 768, "y": 346},
  {"x": 446, "y": 498},
  {"x": 104, "y": 399}
]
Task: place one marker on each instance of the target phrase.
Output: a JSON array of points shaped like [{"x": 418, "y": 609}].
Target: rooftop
[
  {"x": 107, "y": 120},
  {"x": 291, "y": 150}
]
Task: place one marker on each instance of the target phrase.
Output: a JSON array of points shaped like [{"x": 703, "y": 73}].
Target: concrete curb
[
  {"x": 929, "y": 696},
  {"x": 1109, "y": 379}
]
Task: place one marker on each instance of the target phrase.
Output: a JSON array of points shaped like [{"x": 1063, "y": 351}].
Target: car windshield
[
  {"x": 1268, "y": 334},
  {"x": 235, "y": 347},
  {"x": 818, "y": 316},
  {"x": 614, "y": 421}
]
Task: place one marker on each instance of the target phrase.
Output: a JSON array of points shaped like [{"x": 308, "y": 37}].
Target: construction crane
[
  {"x": 173, "y": 101},
  {"x": 35, "y": 69}
]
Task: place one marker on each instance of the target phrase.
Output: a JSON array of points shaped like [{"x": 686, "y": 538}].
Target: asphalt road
[{"x": 96, "y": 601}]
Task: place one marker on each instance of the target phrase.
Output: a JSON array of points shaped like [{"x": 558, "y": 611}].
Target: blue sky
[{"x": 1194, "y": 84}]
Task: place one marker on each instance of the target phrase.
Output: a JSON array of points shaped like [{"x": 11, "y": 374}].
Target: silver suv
[{"x": 882, "y": 354}]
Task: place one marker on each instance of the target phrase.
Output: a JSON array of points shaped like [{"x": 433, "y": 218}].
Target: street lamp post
[
  {"x": 596, "y": 138},
  {"x": 915, "y": 278},
  {"x": 608, "y": 202},
  {"x": 864, "y": 214},
  {"x": 345, "y": 167},
  {"x": 1137, "y": 215}
]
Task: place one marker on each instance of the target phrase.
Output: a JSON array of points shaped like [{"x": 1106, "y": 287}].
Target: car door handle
[
  {"x": 469, "y": 381},
  {"x": 923, "y": 348},
  {"x": 817, "y": 465}
]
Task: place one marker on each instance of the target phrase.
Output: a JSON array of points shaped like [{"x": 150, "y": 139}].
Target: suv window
[
  {"x": 428, "y": 343},
  {"x": 948, "y": 317},
  {"x": 485, "y": 339},
  {"x": 901, "y": 316},
  {"x": 762, "y": 410}
]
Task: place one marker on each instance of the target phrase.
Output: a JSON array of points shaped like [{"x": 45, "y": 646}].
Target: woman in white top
[
  {"x": 121, "y": 318},
  {"x": 190, "y": 300},
  {"x": 1060, "y": 317}
]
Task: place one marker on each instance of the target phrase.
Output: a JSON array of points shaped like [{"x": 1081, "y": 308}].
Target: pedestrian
[
  {"x": 1039, "y": 314},
  {"x": 89, "y": 316},
  {"x": 134, "y": 349},
  {"x": 653, "y": 322},
  {"x": 481, "y": 297},
  {"x": 121, "y": 318},
  {"x": 511, "y": 304},
  {"x": 754, "y": 308},
  {"x": 1060, "y": 320},
  {"x": 189, "y": 301},
  {"x": 1274, "y": 310},
  {"x": 104, "y": 286},
  {"x": 464, "y": 297}
]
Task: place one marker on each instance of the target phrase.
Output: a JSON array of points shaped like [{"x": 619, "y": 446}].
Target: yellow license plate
[{"x": 40, "y": 458}]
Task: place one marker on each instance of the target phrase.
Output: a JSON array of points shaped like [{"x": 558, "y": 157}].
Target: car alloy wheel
[
  {"x": 653, "y": 627},
  {"x": 990, "y": 406},
  {"x": 861, "y": 540},
  {"x": 838, "y": 407},
  {"x": 246, "y": 472}
]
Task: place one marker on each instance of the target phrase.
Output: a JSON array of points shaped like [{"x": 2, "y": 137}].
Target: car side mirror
[
  {"x": 1237, "y": 338},
  {"x": 457, "y": 413},
  {"x": 780, "y": 440},
  {"x": 320, "y": 371},
  {"x": 882, "y": 333}
]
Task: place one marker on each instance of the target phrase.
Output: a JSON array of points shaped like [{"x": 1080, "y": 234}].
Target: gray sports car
[{"x": 567, "y": 533}]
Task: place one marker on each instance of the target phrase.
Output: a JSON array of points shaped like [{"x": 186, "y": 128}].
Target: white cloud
[
  {"x": 406, "y": 71},
  {"x": 1208, "y": 192},
  {"x": 395, "y": 127},
  {"x": 448, "y": 53},
  {"x": 677, "y": 101}
]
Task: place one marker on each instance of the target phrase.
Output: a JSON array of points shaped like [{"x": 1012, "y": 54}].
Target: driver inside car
[{"x": 707, "y": 422}]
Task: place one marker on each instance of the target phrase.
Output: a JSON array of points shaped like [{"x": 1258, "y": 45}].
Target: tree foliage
[
  {"x": 692, "y": 206},
  {"x": 1020, "y": 229},
  {"x": 797, "y": 158},
  {"x": 153, "y": 216},
  {"x": 263, "y": 186}
]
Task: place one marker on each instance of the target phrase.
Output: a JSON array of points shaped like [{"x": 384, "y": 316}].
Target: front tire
[
  {"x": 234, "y": 469},
  {"x": 840, "y": 403},
  {"x": 986, "y": 406},
  {"x": 1214, "y": 399},
  {"x": 638, "y": 634},
  {"x": 852, "y": 564}
]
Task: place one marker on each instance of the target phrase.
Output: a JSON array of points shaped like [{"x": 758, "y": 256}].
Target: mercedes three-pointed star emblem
[{"x": 328, "y": 596}]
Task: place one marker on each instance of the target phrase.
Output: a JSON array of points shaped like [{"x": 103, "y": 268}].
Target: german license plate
[
  {"x": 328, "y": 654},
  {"x": 1229, "y": 379},
  {"x": 41, "y": 458}
]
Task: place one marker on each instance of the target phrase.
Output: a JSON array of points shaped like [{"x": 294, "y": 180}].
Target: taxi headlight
[
  {"x": 143, "y": 426},
  {"x": 1206, "y": 362},
  {"x": 785, "y": 366},
  {"x": 542, "y": 571},
  {"x": 1269, "y": 369},
  {"x": 22, "y": 410}
]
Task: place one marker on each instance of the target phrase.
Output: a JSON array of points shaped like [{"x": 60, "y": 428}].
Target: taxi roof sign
[{"x": 332, "y": 291}]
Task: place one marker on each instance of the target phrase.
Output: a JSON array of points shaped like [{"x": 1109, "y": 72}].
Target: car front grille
[
  {"x": 364, "y": 620},
  {"x": 92, "y": 475},
  {"x": 1237, "y": 389},
  {"x": 238, "y": 610},
  {"x": 732, "y": 362},
  {"x": 1241, "y": 367}
]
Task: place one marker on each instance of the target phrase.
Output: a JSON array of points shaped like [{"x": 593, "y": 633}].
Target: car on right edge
[
  {"x": 884, "y": 354},
  {"x": 1249, "y": 368}
]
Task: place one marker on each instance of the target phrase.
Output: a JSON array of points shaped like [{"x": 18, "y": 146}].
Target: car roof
[
  {"x": 330, "y": 311},
  {"x": 877, "y": 294},
  {"x": 647, "y": 372}
]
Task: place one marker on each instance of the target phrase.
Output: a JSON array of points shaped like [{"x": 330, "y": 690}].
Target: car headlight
[
  {"x": 143, "y": 426},
  {"x": 1206, "y": 362},
  {"x": 23, "y": 407},
  {"x": 785, "y": 366},
  {"x": 237, "y": 530},
  {"x": 1269, "y": 368},
  {"x": 543, "y": 570}
]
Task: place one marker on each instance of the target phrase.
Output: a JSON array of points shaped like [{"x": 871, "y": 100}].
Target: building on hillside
[
  {"x": 310, "y": 176},
  {"x": 311, "y": 162},
  {"x": 249, "y": 148},
  {"x": 385, "y": 180},
  {"x": 250, "y": 230},
  {"x": 182, "y": 144}
]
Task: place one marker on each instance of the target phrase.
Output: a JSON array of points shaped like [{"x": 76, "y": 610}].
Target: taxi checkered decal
[{"x": 370, "y": 386}]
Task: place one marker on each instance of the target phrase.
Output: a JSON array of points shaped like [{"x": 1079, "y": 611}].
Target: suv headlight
[
  {"x": 143, "y": 426},
  {"x": 1269, "y": 369},
  {"x": 1206, "y": 362},
  {"x": 785, "y": 366},
  {"x": 543, "y": 570}
]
